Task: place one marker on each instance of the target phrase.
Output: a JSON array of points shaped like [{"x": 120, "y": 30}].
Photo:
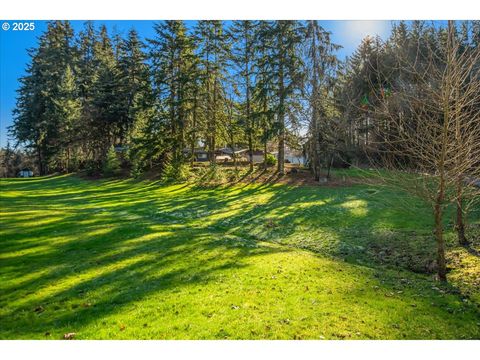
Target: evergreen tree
[
  {"x": 243, "y": 54},
  {"x": 287, "y": 73},
  {"x": 320, "y": 66},
  {"x": 264, "y": 90},
  {"x": 87, "y": 74},
  {"x": 213, "y": 53},
  {"x": 36, "y": 121},
  {"x": 67, "y": 111},
  {"x": 107, "y": 101},
  {"x": 7, "y": 160},
  {"x": 173, "y": 73},
  {"x": 111, "y": 165},
  {"x": 134, "y": 82}
]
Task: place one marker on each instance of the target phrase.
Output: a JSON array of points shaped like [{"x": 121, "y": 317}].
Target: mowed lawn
[{"x": 125, "y": 259}]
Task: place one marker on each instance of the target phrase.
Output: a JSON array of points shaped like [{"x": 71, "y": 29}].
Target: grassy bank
[{"x": 124, "y": 259}]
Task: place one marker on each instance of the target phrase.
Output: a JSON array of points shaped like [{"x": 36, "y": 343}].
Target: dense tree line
[
  {"x": 156, "y": 101},
  {"x": 378, "y": 70},
  {"x": 12, "y": 161},
  {"x": 214, "y": 84}
]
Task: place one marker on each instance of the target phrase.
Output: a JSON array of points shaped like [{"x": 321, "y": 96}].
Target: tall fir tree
[
  {"x": 68, "y": 111},
  {"x": 135, "y": 87},
  {"x": 264, "y": 90},
  {"x": 287, "y": 74},
  {"x": 212, "y": 51},
  {"x": 243, "y": 54},
  {"x": 320, "y": 66},
  {"x": 36, "y": 121},
  {"x": 173, "y": 75},
  {"x": 106, "y": 98}
]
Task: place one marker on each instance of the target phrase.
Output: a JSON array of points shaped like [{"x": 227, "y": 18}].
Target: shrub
[
  {"x": 211, "y": 174},
  {"x": 271, "y": 160},
  {"x": 176, "y": 172},
  {"x": 136, "y": 169},
  {"x": 92, "y": 168},
  {"x": 111, "y": 166}
]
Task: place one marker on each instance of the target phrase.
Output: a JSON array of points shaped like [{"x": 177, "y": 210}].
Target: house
[
  {"x": 227, "y": 153},
  {"x": 198, "y": 153},
  {"x": 258, "y": 156},
  {"x": 231, "y": 151},
  {"x": 25, "y": 173},
  {"x": 224, "y": 158},
  {"x": 243, "y": 154}
]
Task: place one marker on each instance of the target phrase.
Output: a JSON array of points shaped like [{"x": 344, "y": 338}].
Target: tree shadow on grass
[
  {"x": 120, "y": 251},
  {"x": 353, "y": 224},
  {"x": 115, "y": 275},
  {"x": 157, "y": 254}
]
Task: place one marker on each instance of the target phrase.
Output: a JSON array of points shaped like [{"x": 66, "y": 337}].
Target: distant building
[
  {"x": 230, "y": 151},
  {"x": 257, "y": 156},
  {"x": 244, "y": 155},
  {"x": 201, "y": 155},
  {"x": 198, "y": 154},
  {"x": 224, "y": 158},
  {"x": 25, "y": 173},
  {"x": 226, "y": 154}
]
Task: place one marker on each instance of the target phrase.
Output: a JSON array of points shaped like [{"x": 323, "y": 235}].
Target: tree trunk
[
  {"x": 315, "y": 112},
  {"x": 250, "y": 151},
  {"x": 366, "y": 129},
  {"x": 441, "y": 263},
  {"x": 460, "y": 223},
  {"x": 330, "y": 163},
  {"x": 281, "y": 120},
  {"x": 41, "y": 167},
  {"x": 249, "y": 120},
  {"x": 440, "y": 198},
  {"x": 213, "y": 123},
  {"x": 316, "y": 157},
  {"x": 265, "y": 154},
  {"x": 194, "y": 127},
  {"x": 265, "y": 132},
  {"x": 68, "y": 160},
  {"x": 281, "y": 154}
]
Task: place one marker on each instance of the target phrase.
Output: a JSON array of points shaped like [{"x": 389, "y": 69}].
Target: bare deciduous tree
[{"x": 434, "y": 147}]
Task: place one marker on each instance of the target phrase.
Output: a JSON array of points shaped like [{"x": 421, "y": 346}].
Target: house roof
[
  {"x": 195, "y": 151},
  {"x": 235, "y": 150},
  {"x": 257, "y": 152}
]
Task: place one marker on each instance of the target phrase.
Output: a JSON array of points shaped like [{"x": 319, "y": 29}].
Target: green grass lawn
[{"x": 125, "y": 259}]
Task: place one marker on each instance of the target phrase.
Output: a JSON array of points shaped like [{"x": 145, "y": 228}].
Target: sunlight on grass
[
  {"x": 356, "y": 207},
  {"x": 140, "y": 260}
]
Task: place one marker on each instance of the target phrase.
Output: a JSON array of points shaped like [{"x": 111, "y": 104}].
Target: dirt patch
[{"x": 295, "y": 175}]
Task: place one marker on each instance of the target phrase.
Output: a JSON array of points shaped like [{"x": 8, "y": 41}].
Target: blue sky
[{"x": 14, "y": 45}]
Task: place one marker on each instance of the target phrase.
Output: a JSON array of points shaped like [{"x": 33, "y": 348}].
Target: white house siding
[{"x": 257, "y": 158}]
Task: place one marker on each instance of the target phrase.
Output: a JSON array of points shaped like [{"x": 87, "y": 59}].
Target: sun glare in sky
[{"x": 352, "y": 32}]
